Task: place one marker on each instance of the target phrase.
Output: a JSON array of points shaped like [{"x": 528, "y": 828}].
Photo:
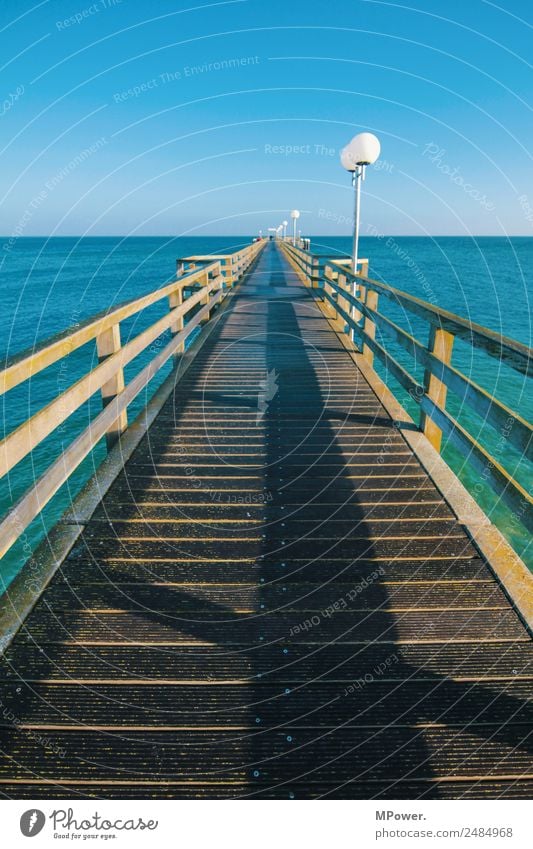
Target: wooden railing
[
  {"x": 201, "y": 284},
  {"x": 360, "y": 314}
]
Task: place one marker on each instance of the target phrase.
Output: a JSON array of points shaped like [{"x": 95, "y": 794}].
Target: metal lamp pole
[
  {"x": 357, "y": 176},
  {"x": 363, "y": 150}
]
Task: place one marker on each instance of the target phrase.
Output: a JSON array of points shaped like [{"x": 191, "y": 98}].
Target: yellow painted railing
[
  {"x": 201, "y": 284},
  {"x": 360, "y": 313}
]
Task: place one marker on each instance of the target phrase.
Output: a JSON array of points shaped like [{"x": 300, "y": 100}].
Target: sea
[{"x": 50, "y": 284}]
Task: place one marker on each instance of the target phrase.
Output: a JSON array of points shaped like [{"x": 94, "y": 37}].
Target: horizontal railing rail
[
  {"x": 202, "y": 282},
  {"x": 313, "y": 266},
  {"x": 353, "y": 302}
]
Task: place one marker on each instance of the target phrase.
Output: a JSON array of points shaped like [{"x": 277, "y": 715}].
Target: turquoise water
[{"x": 50, "y": 284}]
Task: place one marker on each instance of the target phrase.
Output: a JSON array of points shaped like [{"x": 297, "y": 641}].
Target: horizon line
[{"x": 252, "y": 235}]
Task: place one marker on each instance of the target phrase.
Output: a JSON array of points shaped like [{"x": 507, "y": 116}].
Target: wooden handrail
[
  {"x": 107, "y": 376},
  {"x": 494, "y": 411},
  {"x": 514, "y": 353},
  {"x": 510, "y": 490},
  {"x": 337, "y": 285},
  {"x": 28, "y": 363},
  {"x": 32, "y": 431}
]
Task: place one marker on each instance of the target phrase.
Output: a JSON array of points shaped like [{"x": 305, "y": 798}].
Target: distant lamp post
[
  {"x": 285, "y": 223},
  {"x": 363, "y": 150},
  {"x": 295, "y": 214}
]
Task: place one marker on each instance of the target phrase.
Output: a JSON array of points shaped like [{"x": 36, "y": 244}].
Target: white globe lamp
[{"x": 364, "y": 149}]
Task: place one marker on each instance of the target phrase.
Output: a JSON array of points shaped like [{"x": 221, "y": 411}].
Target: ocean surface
[{"x": 50, "y": 284}]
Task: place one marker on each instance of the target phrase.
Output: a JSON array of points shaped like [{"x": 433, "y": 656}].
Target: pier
[{"x": 274, "y": 586}]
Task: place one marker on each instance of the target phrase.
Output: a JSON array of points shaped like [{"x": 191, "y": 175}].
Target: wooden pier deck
[{"x": 272, "y": 600}]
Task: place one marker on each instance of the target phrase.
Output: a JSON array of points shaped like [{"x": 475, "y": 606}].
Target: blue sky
[{"x": 201, "y": 118}]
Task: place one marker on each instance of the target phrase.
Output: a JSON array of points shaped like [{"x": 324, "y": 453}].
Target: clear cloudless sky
[{"x": 216, "y": 118}]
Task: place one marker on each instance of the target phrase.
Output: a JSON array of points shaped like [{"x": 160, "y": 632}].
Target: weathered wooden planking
[
  {"x": 121, "y": 567},
  {"x": 210, "y": 705},
  {"x": 289, "y": 664},
  {"x": 480, "y": 788},
  {"x": 313, "y": 756},
  {"x": 194, "y": 642}
]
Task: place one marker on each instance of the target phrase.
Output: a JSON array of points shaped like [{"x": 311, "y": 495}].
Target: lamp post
[
  {"x": 285, "y": 230},
  {"x": 363, "y": 150},
  {"x": 295, "y": 214}
]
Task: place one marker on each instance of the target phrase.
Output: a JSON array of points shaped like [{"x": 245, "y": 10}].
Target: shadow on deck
[{"x": 272, "y": 601}]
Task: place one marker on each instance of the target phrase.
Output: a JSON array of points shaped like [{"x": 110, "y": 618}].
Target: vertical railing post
[
  {"x": 343, "y": 303},
  {"x": 308, "y": 262},
  {"x": 315, "y": 273},
  {"x": 440, "y": 344},
  {"x": 228, "y": 272},
  {"x": 371, "y": 301},
  {"x": 204, "y": 301},
  {"x": 329, "y": 274},
  {"x": 360, "y": 292},
  {"x": 175, "y": 299},
  {"x": 108, "y": 343},
  {"x": 217, "y": 273},
  {"x": 361, "y": 296}
]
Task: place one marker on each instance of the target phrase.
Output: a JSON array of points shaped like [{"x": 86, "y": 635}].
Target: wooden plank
[
  {"x": 345, "y": 754},
  {"x": 293, "y": 595},
  {"x": 331, "y": 662},
  {"x": 118, "y": 566},
  {"x": 215, "y": 705},
  {"x": 480, "y": 788},
  {"x": 224, "y": 627}
]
